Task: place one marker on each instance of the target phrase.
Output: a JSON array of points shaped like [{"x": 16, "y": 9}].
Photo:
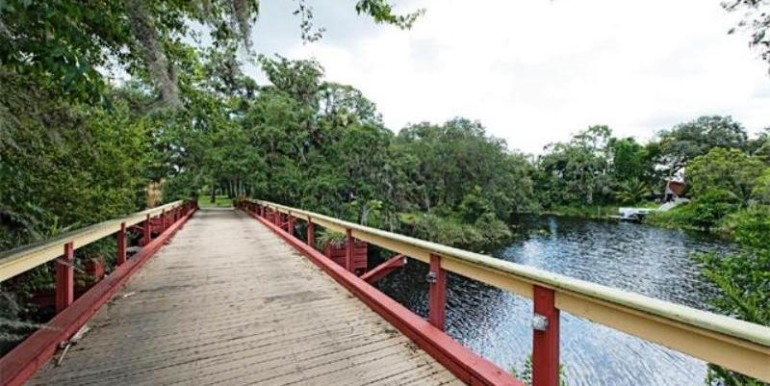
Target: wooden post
[
  {"x": 122, "y": 244},
  {"x": 65, "y": 283},
  {"x": 437, "y": 293},
  {"x": 310, "y": 232},
  {"x": 147, "y": 237},
  {"x": 545, "y": 338},
  {"x": 349, "y": 251}
]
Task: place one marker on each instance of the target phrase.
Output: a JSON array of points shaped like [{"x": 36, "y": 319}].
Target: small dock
[{"x": 230, "y": 303}]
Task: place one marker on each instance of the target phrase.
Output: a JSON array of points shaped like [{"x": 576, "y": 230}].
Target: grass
[{"x": 220, "y": 202}]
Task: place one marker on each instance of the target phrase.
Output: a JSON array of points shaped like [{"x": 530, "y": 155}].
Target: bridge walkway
[{"x": 228, "y": 302}]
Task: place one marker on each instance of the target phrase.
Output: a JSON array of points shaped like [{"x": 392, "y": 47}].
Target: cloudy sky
[{"x": 537, "y": 71}]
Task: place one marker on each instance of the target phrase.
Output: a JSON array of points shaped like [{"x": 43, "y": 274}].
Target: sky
[{"x": 536, "y": 71}]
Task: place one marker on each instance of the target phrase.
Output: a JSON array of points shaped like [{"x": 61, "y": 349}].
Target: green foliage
[
  {"x": 630, "y": 160},
  {"x": 59, "y": 176},
  {"x": 525, "y": 374},
  {"x": 761, "y": 189},
  {"x": 691, "y": 139},
  {"x": 731, "y": 171},
  {"x": 382, "y": 12},
  {"x": 632, "y": 191},
  {"x": 743, "y": 279},
  {"x": 678, "y": 217},
  {"x": 441, "y": 165},
  {"x": 474, "y": 205},
  {"x": 329, "y": 237},
  {"x": 710, "y": 207},
  {"x": 63, "y": 42},
  {"x": 487, "y": 231},
  {"x": 750, "y": 227},
  {"x": 579, "y": 171}
]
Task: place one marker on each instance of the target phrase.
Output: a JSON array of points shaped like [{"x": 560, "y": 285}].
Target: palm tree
[{"x": 631, "y": 191}]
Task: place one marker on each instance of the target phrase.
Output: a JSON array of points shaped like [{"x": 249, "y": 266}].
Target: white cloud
[{"x": 535, "y": 71}]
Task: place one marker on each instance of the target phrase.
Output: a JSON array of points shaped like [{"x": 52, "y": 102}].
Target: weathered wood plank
[{"x": 227, "y": 302}]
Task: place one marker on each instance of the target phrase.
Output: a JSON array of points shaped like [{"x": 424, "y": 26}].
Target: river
[{"x": 639, "y": 258}]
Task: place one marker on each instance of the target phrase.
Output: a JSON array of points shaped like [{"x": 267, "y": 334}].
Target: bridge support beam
[
  {"x": 121, "y": 258},
  {"x": 545, "y": 338},
  {"x": 384, "y": 269},
  {"x": 65, "y": 282},
  {"x": 437, "y": 294}
]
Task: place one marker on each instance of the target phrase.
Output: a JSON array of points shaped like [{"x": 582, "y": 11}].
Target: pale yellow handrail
[
  {"x": 22, "y": 259},
  {"x": 725, "y": 341}
]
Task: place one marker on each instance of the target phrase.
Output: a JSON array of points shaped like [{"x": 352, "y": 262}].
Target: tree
[
  {"x": 761, "y": 190},
  {"x": 630, "y": 160},
  {"x": 62, "y": 165},
  {"x": 688, "y": 140},
  {"x": 65, "y": 42},
  {"x": 730, "y": 171},
  {"x": 440, "y": 165},
  {"x": 631, "y": 191},
  {"x": 578, "y": 171},
  {"x": 760, "y": 146}
]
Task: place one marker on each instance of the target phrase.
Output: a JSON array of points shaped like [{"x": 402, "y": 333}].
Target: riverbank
[
  {"x": 593, "y": 212},
  {"x": 680, "y": 217},
  {"x": 486, "y": 232}
]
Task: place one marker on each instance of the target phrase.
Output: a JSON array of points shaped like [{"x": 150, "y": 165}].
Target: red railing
[
  {"x": 429, "y": 335},
  {"x": 71, "y": 314},
  {"x": 728, "y": 342}
]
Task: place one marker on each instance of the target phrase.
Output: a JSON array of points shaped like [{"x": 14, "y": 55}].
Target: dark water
[{"x": 648, "y": 260}]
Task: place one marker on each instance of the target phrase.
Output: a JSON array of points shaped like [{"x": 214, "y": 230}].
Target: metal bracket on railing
[
  {"x": 539, "y": 322},
  {"x": 431, "y": 277}
]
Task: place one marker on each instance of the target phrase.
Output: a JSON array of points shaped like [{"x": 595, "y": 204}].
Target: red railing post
[
  {"x": 310, "y": 232},
  {"x": 162, "y": 221},
  {"x": 349, "y": 251},
  {"x": 146, "y": 238},
  {"x": 290, "y": 228},
  {"x": 65, "y": 283},
  {"x": 437, "y": 293},
  {"x": 122, "y": 244},
  {"x": 545, "y": 338}
]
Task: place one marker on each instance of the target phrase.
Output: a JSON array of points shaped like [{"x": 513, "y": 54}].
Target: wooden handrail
[
  {"x": 728, "y": 342},
  {"x": 25, "y": 258}
]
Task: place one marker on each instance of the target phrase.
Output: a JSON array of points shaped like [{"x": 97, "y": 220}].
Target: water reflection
[{"x": 651, "y": 261}]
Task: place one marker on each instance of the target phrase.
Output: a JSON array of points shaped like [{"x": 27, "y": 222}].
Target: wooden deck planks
[{"x": 229, "y": 303}]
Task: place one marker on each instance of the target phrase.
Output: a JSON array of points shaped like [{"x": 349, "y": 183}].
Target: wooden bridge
[{"x": 236, "y": 297}]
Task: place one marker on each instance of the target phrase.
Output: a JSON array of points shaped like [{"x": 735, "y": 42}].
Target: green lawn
[{"x": 220, "y": 202}]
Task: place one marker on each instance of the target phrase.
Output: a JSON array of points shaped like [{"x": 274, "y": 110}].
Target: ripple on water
[{"x": 651, "y": 261}]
